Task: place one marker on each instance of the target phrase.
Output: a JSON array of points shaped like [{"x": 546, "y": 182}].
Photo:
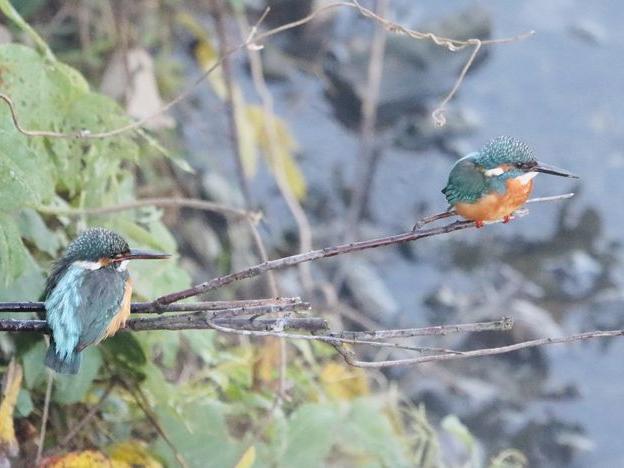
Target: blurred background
[{"x": 333, "y": 172}]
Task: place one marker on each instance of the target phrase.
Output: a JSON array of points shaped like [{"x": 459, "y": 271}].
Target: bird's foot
[
  {"x": 479, "y": 224},
  {"x": 506, "y": 219}
]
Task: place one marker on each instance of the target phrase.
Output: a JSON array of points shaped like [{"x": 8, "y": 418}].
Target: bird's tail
[{"x": 68, "y": 365}]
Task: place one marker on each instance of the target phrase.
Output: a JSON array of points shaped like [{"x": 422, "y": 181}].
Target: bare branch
[
  {"x": 195, "y": 203},
  {"x": 251, "y": 307},
  {"x": 191, "y": 321},
  {"x": 503, "y": 324},
  {"x": 252, "y": 42},
  {"x": 326, "y": 252}
]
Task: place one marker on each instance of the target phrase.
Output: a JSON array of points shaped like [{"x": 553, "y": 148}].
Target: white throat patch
[
  {"x": 526, "y": 177},
  {"x": 122, "y": 265},
  {"x": 494, "y": 172},
  {"x": 87, "y": 265}
]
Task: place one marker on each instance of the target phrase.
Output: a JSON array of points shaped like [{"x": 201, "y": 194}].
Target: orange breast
[
  {"x": 497, "y": 205},
  {"x": 119, "y": 320}
]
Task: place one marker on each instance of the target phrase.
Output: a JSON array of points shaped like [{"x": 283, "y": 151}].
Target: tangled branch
[{"x": 253, "y": 42}]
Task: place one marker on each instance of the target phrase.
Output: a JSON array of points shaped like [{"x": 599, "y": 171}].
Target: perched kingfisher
[
  {"x": 87, "y": 295},
  {"x": 495, "y": 181}
]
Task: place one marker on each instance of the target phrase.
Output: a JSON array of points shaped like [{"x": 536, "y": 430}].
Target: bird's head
[
  {"x": 507, "y": 157},
  {"x": 98, "y": 247},
  {"x": 488, "y": 169}
]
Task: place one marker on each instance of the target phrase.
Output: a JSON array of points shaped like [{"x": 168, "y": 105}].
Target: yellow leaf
[
  {"x": 13, "y": 382},
  {"x": 343, "y": 382},
  {"x": 247, "y": 139},
  {"x": 248, "y": 458},
  {"x": 278, "y": 144},
  {"x": 131, "y": 454},
  {"x": 264, "y": 368},
  {"x": 84, "y": 459}
]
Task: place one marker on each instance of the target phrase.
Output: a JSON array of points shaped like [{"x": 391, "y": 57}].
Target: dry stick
[
  {"x": 190, "y": 321},
  {"x": 94, "y": 409},
  {"x": 238, "y": 158},
  {"x": 481, "y": 352},
  {"x": 324, "y": 253},
  {"x": 368, "y": 156},
  {"x": 141, "y": 400},
  {"x": 253, "y": 216},
  {"x": 251, "y": 306},
  {"x": 251, "y": 42},
  {"x": 438, "y": 116},
  {"x": 303, "y": 224},
  {"x": 44, "y": 417}
]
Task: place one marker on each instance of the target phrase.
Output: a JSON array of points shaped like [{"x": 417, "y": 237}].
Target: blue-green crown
[
  {"x": 96, "y": 243},
  {"x": 503, "y": 150}
]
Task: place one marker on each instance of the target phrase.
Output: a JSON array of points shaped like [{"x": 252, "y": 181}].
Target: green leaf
[
  {"x": 34, "y": 229},
  {"x": 24, "y": 405},
  {"x": 32, "y": 363},
  {"x": 310, "y": 434},
  {"x": 125, "y": 351},
  {"x": 13, "y": 15},
  {"x": 13, "y": 255},
  {"x": 73, "y": 388},
  {"x": 198, "y": 430}
]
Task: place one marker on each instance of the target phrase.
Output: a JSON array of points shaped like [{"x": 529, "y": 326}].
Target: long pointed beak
[
  {"x": 552, "y": 170},
  {"x": 137, "y": 254}
]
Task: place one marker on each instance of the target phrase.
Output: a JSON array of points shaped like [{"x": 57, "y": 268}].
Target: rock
[
  {"x": 415, "y": 71},
  {"x": 369, "y": 292},
  {"x": 576, "y": 275}
]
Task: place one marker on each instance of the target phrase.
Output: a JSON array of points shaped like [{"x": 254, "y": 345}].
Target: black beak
[
  {"x": 137, "y": 254},
  {"x": 552, "y": 170}
]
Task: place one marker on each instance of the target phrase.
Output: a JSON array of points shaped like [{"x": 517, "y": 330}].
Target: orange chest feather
[
  {"x": 497, "y": 205},
  {"x": 120, "y": 318}
]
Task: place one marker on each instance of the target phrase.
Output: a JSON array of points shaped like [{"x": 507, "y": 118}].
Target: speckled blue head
[
  {"x": 96, "y": 243},
  {"x": 488, "y": 169}
]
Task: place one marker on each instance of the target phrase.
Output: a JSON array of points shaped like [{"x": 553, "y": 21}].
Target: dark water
[{"x": 562, "y": 92}]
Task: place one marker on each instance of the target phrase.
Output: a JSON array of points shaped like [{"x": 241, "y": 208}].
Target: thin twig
[
  {"x": 485, "y": 351},
  {"x": 190, "y": 321},
  {"x": 368, "y": 155},
  {"x": 141, "y": 401},
  {"x": 252, "y": 42},
  {"x": 251, "y": 306},
  {"x": 44, "y": 417},
  {"x": 253, "y": 216},
  {"x": 502, "y": 325},
  {"x": 326, "y": 252},
  {"x": 439, "y": 119},
  {"x": 87, "y": 417}
]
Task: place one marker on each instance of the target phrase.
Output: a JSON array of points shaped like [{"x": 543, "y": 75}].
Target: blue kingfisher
[
  {"x": 493, "y": 182},
  {"x": 87, "y": 295}
]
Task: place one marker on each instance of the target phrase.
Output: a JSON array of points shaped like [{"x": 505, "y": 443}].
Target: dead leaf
[
  {"x": 248, "y": 458},
  {"x": 280, "y": 147},
  {"x": 12, "y": 383},
  {"x": 84, "y": 459},
  {"x": 343, "y": 382},
  {"x": 131, "y": 454},
  {"x": 131, "y": 76}
]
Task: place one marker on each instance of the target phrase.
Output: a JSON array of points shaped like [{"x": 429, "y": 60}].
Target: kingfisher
[
  {"x": 87, "y": 295},
  {"x": 492, "y": 183}
]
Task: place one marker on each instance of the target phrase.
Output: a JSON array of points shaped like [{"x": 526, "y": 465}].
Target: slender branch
[
  {"x": 484, "y": 351},
  {"x": 503, "y": 324},
  {"x": 252, "y": 42},
  {"x": 252, "y": 306},
  {"x": 94, "y": 409},
  {"x": 326, "y": 252},
  {"x": 195, "y": 203},
  {"x": 191, "y": 321},
  {"x": 44, "y": 417}
]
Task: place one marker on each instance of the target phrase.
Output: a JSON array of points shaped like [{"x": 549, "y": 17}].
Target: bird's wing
[{"x": 103, "y": 292}]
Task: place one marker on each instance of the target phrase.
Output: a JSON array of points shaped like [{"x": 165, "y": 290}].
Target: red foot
[
  {"x": 479, "y": 224},
  {"x": 506, "y": 219}
]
